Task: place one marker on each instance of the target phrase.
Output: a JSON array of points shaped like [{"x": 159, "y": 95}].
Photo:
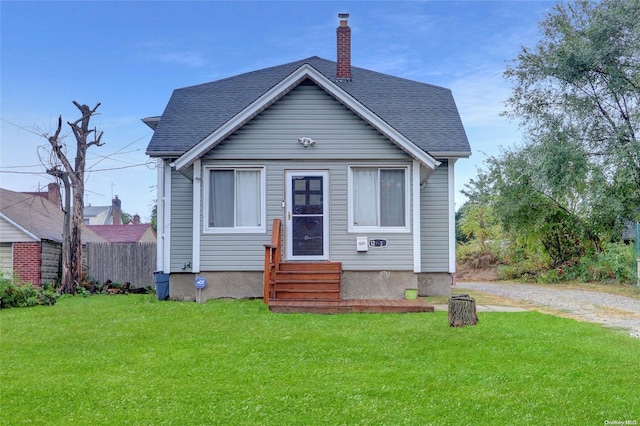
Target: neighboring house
[
  {"x": 31, "y": 235},
  {"x": 131, "y": 233},
  {"x": 358, "y": 165},
  {"x": 103, "y": 215}
]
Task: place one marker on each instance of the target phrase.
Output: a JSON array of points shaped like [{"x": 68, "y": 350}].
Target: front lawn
[{"x": 111, "y": 360}]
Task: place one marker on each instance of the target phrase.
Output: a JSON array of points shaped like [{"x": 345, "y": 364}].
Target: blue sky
[{"x": 130, "y": 56}]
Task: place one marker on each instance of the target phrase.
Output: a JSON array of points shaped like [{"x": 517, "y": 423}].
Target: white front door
[{"x": 307, "y": 215}]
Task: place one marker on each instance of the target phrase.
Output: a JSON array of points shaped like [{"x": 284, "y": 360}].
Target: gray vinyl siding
[
  {"x": 398, "y": 255},
  {"x": 306, "y": 111},
  {"x": 181, "y": 221},
  {"x": 236, "y": 251},
  {"x": 245, "y": 252},
  {"x": 434, "y": 221},
  {"x": 51, "y": 262},
  {"x": 270, "y": 140}
]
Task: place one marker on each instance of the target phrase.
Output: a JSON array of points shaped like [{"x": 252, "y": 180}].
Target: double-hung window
[
  {"x": 235, "y": 200},
  {"x": 379, "y": 199}
]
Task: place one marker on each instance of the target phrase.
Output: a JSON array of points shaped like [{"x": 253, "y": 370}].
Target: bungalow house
[
  {"x": 356, "y": 166},
  {"x": 31, "y": 235}
]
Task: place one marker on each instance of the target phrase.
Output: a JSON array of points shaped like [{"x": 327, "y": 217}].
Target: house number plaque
[{"x": 377, "y": 243}]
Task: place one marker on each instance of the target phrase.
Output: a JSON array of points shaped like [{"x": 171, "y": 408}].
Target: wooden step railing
[
  {"x": 272, "y": 259},
  {"x": 297, "y": 280}
]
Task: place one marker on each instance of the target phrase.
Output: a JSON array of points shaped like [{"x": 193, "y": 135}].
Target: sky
[{"x": 131, "y": 55}]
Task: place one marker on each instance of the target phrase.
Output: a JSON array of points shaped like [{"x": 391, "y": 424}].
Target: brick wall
[
  {"x": 26, "y": 262},
  {"x": 343, "y": 35}
]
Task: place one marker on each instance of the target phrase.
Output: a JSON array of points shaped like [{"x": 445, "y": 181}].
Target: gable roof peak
[{"x": 425, "y": 114}]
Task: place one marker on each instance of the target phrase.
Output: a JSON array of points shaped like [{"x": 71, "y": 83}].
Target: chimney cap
[{"x": 343, "y": 18}]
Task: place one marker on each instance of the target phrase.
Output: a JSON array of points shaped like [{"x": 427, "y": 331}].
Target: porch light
[{"x": 305, "y": 141}]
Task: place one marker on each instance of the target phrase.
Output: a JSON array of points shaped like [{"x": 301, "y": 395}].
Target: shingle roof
[
  {"x": 93, "y": 211},
  {"x": 36, "y": 215},
  {"x": 120, "y": 233},
  {"x": 425, "y": 114}
]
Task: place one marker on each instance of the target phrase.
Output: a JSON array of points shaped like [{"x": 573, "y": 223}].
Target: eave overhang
[
  {"x": 450, "y": 154},
  {"x": 152, "y": 122}
]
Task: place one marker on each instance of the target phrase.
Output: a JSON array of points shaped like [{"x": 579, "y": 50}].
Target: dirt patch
[{"x": 467, "y": 273}]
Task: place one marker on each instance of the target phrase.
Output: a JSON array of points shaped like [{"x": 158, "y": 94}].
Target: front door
[{"x": 307, "y": 218}]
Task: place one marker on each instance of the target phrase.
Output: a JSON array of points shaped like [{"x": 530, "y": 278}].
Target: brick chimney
[
  {"x": 53, "y": 194},
  {"x": 136, "y": 219},
  {"x": 343, "y": 33},
  {"x": 116, "y": 211}
]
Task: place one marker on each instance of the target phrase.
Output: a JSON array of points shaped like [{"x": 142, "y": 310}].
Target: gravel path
[{"x": 585, "y": 305}]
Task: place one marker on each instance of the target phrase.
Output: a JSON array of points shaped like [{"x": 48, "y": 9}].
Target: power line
[
  {"x": 26, "y": 129},
  {"x": 87, "y": 170}
]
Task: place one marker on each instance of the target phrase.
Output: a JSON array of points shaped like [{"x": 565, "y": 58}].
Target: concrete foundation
[
  {"x": 434, "y": 284},
  {"x": 235, "y": 285},
  {"x": 377, "y": 284},
  {"x": 355, "y": 285}
]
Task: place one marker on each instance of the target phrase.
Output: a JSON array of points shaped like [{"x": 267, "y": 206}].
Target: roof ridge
[{"x": 249, "y": 73}]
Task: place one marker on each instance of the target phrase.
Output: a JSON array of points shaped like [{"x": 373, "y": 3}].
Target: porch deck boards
[{"x": 349, "y": 305}]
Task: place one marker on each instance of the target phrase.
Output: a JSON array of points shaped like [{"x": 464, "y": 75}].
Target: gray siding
[
  {"x": 306, "y": 111},
  {"x": 245, "y": 252},
  {"x": 434, "y": 221},
  {"x": 181, "y": 221},
  {"x": 270, "y": 140},
  {"x": 272, "y": 137},
  {"x": 398, "y": 255}
]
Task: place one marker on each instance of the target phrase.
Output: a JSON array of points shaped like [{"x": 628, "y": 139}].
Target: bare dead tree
[{"x": 73, "y": 180}]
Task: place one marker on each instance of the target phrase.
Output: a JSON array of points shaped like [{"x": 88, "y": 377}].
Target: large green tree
[
  {"x": 576, "y": 178},
  {"x": 577, "y": 94}
]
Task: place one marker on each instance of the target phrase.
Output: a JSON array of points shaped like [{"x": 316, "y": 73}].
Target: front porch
[{"x": 315, "y": 287}]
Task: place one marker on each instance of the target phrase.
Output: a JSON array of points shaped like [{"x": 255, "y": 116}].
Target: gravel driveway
[{"x": 585, "y": 305}]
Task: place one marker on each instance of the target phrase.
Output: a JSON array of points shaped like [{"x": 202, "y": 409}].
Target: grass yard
[{"x": 115, "y": 360}]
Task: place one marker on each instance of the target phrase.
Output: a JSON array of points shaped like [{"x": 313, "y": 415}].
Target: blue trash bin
[{"x": 162, "y": 286}]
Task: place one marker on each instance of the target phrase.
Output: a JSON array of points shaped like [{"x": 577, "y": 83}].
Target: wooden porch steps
[
  {"x": 315, "y": 287},
  {"x": 311, "y": 281}
]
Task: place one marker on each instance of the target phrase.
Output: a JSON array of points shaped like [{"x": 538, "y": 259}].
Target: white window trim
[
  {"x": 262, "y": 229},
  {"x": 351, "y": 228}
]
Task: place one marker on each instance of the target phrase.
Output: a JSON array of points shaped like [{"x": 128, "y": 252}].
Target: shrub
[
  {"x": 25, "y": 294},
  {"x": 614, "y": 264}
]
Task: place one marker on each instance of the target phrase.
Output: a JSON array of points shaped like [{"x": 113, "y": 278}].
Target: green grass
[{"x": 111, "y": 360}]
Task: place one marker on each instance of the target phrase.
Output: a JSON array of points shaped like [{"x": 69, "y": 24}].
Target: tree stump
[{"x": 462, "y": 311}]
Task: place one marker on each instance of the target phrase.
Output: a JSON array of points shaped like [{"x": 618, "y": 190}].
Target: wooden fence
[{"x": 122, "y": 262}]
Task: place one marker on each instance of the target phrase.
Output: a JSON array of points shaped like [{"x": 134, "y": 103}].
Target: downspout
[
  {"x": 197, "y": 190},
  {"x": 160, "y": 216},
  {"x": 417, "y": 231},
  {"x": 452, "y": 219}
]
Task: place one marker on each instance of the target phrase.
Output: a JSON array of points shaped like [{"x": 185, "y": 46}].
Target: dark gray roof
[{"x": 425, "y": 114}]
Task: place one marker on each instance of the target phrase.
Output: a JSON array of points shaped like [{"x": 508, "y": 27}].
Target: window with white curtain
[
  {"x": 234, "y": 200},
  {"x": 379, "y": 199}
]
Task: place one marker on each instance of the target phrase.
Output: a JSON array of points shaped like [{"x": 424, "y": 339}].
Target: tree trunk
[
  {"x": 462, "y": 311},
  {"x": 72, "y": 266},
  {"x": 76, "y": 236},
  {"x": 67, "y": 281}
]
